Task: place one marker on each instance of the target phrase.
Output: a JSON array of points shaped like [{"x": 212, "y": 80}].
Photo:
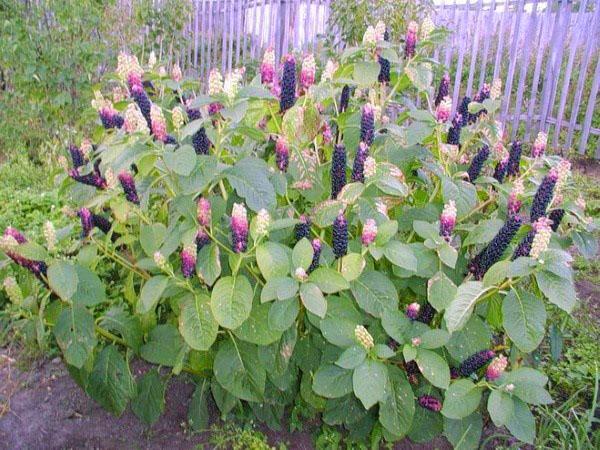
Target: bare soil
[{"x": 46, "y": 410}]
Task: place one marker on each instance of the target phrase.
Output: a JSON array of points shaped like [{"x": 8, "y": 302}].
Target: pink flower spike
[
  {"x": 188, "y": 261},
  {"x": 369, "y": 232},
  {"x": 496, "y": 368}
]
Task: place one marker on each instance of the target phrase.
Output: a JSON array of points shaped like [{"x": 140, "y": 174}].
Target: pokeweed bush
[{"x": 326, "y": 247}]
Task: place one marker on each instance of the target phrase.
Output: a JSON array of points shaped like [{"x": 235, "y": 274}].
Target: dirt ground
[{"x": 48, "y": 411}]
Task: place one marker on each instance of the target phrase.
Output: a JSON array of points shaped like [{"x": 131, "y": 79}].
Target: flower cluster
[
  {"x": 431, "y": 403},
  {"x": 9, "y": 243},
  {"x": 128, "y": 185},
  {"x": 282, "y": 154},
  {"x": 367, "y": 124},
  {"x": 448, "y": 220},
  {"x": 475, "y": 362},
  {"x": 358, "y": 168},
  {"x": 288, "y": 83},
  {"x": 338, "y": 169},
  {"x": 308, "y": 71},
  {"x": 539, "y": 146},
  {"x": 477, "y": 164},
  {"x": 188, "y": 261},
  {"x": 267, "y": 67},
  {"x": 543, "y": 195},
  {"x": 514, "y": 159},
  {"x": 443, "y": 109},
  {"x": 340, "y": 235},
  {"x": 363, "y": 337},
  {"x": 369, "y": 232},
  {"x": 411, "y": 40},
  {"x": 496, "y": 368},
  {"x": 239, "y": 228}
]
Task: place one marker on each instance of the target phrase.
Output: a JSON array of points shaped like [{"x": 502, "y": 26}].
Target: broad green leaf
[
  {"x": 366, "y": 73},
  {"x": 434, "y": 368},
  {"x": 484, "y": 232},
  {"x": 255, "y": 329},
  {"x": 62, "y": 278},
  {"x": 524, "y": 319},
  {"x": 238, "y": 370},
  {"x": 464, "y": 195},
  {"x": 401, "y": 255},
  {"x": 426, "y": 424},
  {"x": 409, "y": 352},
  {"x": 231, "y": 301},
  {"x": 461, "y": 307},
  {"x": 250, "y": 179},
  {"x": 383, "y": 351},
  {"x": 497, "y": 273},
  {"x": 326, "y": 212},
  {"x": 440, "y": 291},
  {"x": 198, "y": 415},
  {"x": 464, "y": 434},
  {"x": 110, "y": 382},
  {"x": 500, "y": 406},
  {"x": 151, "y": 293},
  {"x": 352, "y": 266},
  {"x": 302, "y": 255},
  {"x": 521, "y": 267},
  {"x": 396, "y": 325},
  {"x": 426, "y": 230},
  {"x": 448, "y": 254},
  {"x": 117, "y": 320},
  {"x": 329, "y": 280},
  {"x": 397, "y": 408},
  {"x": 332, "y": 381},
  {"x": 352, "y": 357},
  {"x": 470, "y": 339},
  {"x": 31, "y": 250},
  {"x": 181, "y": 161},
  {"x": 375, "y": 293},
  {"x": 208, "y": 264},
  {"x": 369, "y": 381},
  {"x": 391, "y": 185},
  {"x": 521, "y": 422},
  {"x": 461, "y": 399},
  {"x": 149, "y": 403},
  {"x": 528, "y": 385},
  {"x": 164, "y": 346},
  {"x": 197, "y": 324},
  {"x": 280, "y": 288},
  {"x": 351, "y": 192},
  {"x": 560, "y": 291},
  {"x": 283, "y": 314},
  {"x": 313, "y": 300},
  {"x": 75, "y": 335},
  {"x": 340, "y": 321},
  {"x": 434, "y": 339},
  {"x": 273, "y": 260},
  {"x": 385, "y": 231},
  {"x": 586, "y": 243},
  {"x": 90, "y": 290}
]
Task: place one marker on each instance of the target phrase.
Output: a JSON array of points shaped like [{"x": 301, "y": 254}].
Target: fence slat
[
  {"x": 461, "y": 54},
  {"x": 513, "y": 60},
  {"x": 489, "y": 31},
  {"x": 474, "y": 49},
  {"x": 587, "y": 122}
]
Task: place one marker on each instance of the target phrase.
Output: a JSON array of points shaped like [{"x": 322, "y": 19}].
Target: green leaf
[
  {"x": 163, "y": 346},
  {"x": 462, "y": 398},
  {"x": 332, "y": 381},
  {"x": 352, "y": 357},
  {"x": 31, "y": 250},
  {"x": 313, "y": 300},
  {"x": 365, "y": 73},
  {"x": 238, "y": 370},
  {"x": 524, "y": 319},
  {"x": 75, "y": 335},
  {"x": 151, "y": 293},
  {"x": 409, "y": 352},
  {"x": 208, "y": 264},
  {"x": 181, "y": 161},
  {"x": 351, "y": 192},
  {"x": 375, "y": 293},
  {"x": 116, "y": 319},
  {"x": 340, "y": 321},
  {"x": 586, "y": 243},
  {"x": 497, "y": 273},
  {"x": 426, "y": 230},
  {"x": 236, "y": 112},
  {"x": 329, "y": 280},
  {"x": 560, "y": 291},
  {"x": 152, "y": 237},
  {"x": 521, "y": 422},
  {"x": 400, "y": 255},
  {"x": 464, "y": 434},
  {"x": 470, "y": 339},
  {"x": 62, "y": 278},
  {"x": 434, "y": 339},
  {"x": 464, "y": 195},
  {"x": 255, "y": 329},
  {"x": 352, "y": 266},
  {"x": 461, "y": 307},
  {"x": 197, "y": 324},
  {"x": 283, "y": 314},
  {"x": 391, "y": 185},
  {"x": 448, "y": 254},
  {"x": 110, "y": 382},
  {"x": 484, "y": 232},
  {"x": 273, "y": 260},
  {"x": 500, "y": 406},
  {"x": 396, "y": 325},
  {"x": 90, "y": 290},
  {"x": 369, "y": 381},
  {"x": 326, "y": 212},
  {"x": 302, "y": 255},
  {"x": 521, "y": 267},
  {"x": 250, "y": 179},
  {"x": 434, "y": 368},
  {"x": 397, "y": 408},
  {"x": 440, "y": 291},
  {"x": 383, "y": 351},
  {"x": 198, "y": 415},
  {"x": 529, "y": 385},
  {"x": 149, "y": 403},
  {"x": 280, "y": 288},
  {"x": 231, "y": 301}
]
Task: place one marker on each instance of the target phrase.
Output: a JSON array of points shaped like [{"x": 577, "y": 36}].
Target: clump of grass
[{"x": 231, "y": 436}]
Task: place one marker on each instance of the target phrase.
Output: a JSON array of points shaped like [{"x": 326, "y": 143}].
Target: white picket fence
[{"x": 545, "y": 51}]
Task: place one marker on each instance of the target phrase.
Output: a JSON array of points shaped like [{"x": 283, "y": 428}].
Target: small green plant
[
  {"x": 322, "y": 240},
  {"x": 232, "y": 437}
]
